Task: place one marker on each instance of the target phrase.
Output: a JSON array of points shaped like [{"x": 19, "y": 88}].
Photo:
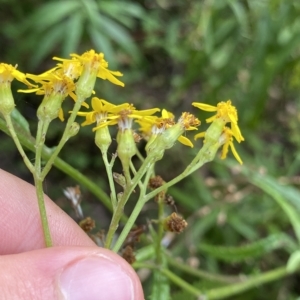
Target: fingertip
[{"x": 69, "y": 273}]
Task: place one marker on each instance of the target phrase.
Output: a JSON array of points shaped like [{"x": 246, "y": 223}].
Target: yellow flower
[
  {"x": 225, "y": 112},
  {"x": 124, "y": 114},
  {"x": 153, "y": 126},
  {"x": 226, "y": 140},
  {"x": 56, "y": 86},
  {"x": 94, "y": 62},
  {"x": 7, "y": 74},
  {"x": 101, "y": 110},
  {"x": 188, "y": 122}
]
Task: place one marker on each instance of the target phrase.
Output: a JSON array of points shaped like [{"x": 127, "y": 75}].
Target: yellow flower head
[
  {"x": 124, "y": 114},
  {"x": 226, "y": 139},
  {"x": 53, "y": 84},
  {"x": 106, "y": 114},
  {"x": 8, "y": 73},
  {"x": 188, "y": 122},
  {"x": 153, "y": 125},
  {"x": 92, "y": 62},
  {"x": 225, "y": 112},
  {"x": 100, "y": 112}
]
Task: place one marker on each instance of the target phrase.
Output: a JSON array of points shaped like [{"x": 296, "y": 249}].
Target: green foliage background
[{"x": 173, "y": 53}]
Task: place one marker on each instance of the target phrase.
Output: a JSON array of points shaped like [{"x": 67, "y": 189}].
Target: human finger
[
  {"x": 68, "y": 273},
  {"x": 20, "y": 223}
]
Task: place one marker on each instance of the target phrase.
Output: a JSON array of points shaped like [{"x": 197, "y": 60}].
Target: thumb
[{"x": 68, "y": 273}]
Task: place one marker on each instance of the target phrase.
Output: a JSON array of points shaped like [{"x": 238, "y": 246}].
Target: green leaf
[
  {"x": 102, "y": 44},
  {"x": 145, "y": 253},
  {"x": 241, "y": 15},
  {"x": 160, "y": 287},
  {"x": 122, "y": 12},
  {"x": 293, "y": 263},
  {"x": 46, "y": 43},
  {"x": 221, "y": 55},
  {"x": 281, "y": 194},
  {"x": 253, "y": 250},
  {"x": 118, "y": 34},
  {"x": 51, "y": 13},
  {"x": 73, "y": 31},
  {"x": 240, "y": 226}
]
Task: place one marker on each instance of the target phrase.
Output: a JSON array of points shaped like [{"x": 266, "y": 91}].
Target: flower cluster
[
  {"x": 225, "y": 113},
  {"x": 75, "y": 77}
]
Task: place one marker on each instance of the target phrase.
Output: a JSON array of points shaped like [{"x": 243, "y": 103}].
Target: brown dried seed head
[
  {"x": 87, "y": 224},
  {"x": 174, "y": 223},
  {"x": 128, "y": 254},
  {"x": 155, "y": 182}
]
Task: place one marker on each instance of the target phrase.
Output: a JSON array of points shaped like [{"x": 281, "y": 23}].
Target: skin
[{"x": 30, "y": 271}]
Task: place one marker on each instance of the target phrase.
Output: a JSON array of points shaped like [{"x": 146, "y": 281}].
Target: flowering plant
[{"x": 76, "y": 78}]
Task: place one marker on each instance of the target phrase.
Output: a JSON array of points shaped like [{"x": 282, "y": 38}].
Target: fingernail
[{"x": 95, "y": 278}]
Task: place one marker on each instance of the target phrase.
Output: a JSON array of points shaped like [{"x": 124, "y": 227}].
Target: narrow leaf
[{"x": 253, "y": 250}]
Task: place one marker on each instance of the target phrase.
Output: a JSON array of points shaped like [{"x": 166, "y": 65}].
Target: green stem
[
  {"x": 40, "y": 195},
  {"x": 230, "y": 290},
  {"x": 16, "y": 140},
  {"x": 234, "y": 289},
  {"x": 181, "y": 283},
  {"x": 160, "y": 232},
  {"x": 40, "y": 141},
  {"x": 127, "y": 175},
  {"x": 203, "y": 274},
  {"x": 205, "y": 155},
  {"x": 121, "y": 203},
  {"x": 108, "y": 167},
  {"x": 29, "y": 142},
  {"x": 64, "y": 138},
  {"x": 38, "y": 179},
  {"x": 135, "y": 213},
  {"x": 221, "y": 292},
  {"x": 139, "y": 155},
  {"x": 133, "y": 170}
]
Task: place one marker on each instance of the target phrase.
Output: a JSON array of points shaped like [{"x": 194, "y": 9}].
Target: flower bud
[
  {"x": 164, "y": 141},
  {"x": 7, "y": 102},
  {"x": 85, "y": 84},
  {"x": 103, "y": 139},
  {"x": 126, "y": 146},
  {"x": 50, "y": 107}
]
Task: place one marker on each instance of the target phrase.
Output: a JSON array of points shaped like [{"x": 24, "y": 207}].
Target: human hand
[{"x": 75, "y": 268}]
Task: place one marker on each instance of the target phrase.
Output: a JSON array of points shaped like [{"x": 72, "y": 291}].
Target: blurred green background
[{"x": 173, "y": 53}]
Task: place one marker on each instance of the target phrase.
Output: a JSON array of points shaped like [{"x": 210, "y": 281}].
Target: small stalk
[
  {"x": 15, "y": 138},
  {"x": 38, "y": 179},
  {"x": 121, "y": 203},
  {"x": 160, "y": 232},
  {"x": 40, "y": 141},
  {"x": 135, "y": 213},
  {"x": 200, "y": 159},
  {"x": 108, "y": 167},
  {"x": 63, "y": 139},
  {"x": 41, "y": 203}
]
